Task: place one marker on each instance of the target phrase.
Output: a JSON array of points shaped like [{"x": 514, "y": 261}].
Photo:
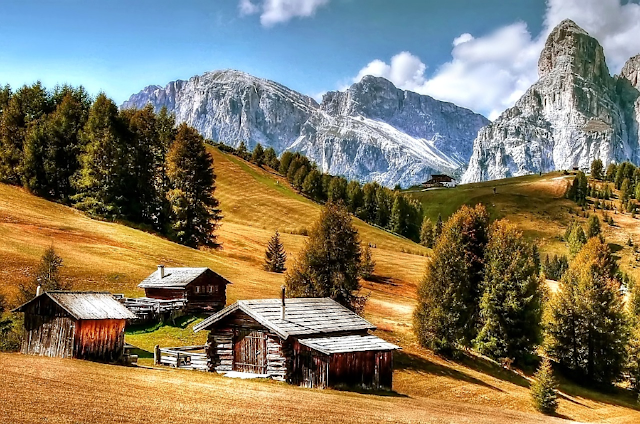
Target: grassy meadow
[{"x": 255, "y": 202}]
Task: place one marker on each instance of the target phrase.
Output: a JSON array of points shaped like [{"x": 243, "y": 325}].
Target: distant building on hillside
[
  {"x": 70, "y": 324},
  {"x": 306, "y": 342},
  {"x": 202, "y": 289},
  {"x": 440, "y": 180}
]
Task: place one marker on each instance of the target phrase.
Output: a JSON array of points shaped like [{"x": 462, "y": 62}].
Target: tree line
[
  {"x": 484, "y": 290},
  {"x": 371, "y": 202},
  {"x": 129, "y": 165}
]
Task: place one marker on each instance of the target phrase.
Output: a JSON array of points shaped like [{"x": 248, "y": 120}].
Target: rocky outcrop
[
  {"x": 575, "y": 113},
  {"x": 373, "y": 131}
]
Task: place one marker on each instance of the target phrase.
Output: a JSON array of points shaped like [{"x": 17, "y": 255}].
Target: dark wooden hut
[
  {"x": 84, "y": 325},
  {"x": 202, "y": 289},
  {"x": 307, "y": 342}
]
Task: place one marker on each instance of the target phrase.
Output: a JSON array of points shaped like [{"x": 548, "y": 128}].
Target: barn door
[{"x": 250, "y": 352}]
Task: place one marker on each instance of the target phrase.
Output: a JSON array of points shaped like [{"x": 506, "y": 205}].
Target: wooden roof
[
  {"x": 175, "y": 278},
  {"x": 303, "y": 316},
  {"x": 86, "y": 305},
  {"x": 348, "y": 343}
]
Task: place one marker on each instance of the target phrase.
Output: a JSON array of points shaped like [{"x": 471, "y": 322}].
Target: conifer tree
[
  {"x": 271, "y": 159},
  {"x": 242, "y": 150},
  {"x": 257, "y": 156},
  {"x": 285, "y": 162},
  {"x": 511, "y": 303},
  {"x": 448, "y": 296},
  {"x": 330, "y": 263},
  {"x": 612, "y": 170},
  {"x": 275, "y": 255},
  {"x": 587, "y": 326},
  {"x": 427, "y": 233},
  {"x": 355, "y": 196},
  {"x": 593, "y": 226},
  {"x": 195, "y": 210},
  {"x": 399, "y": 215},
  {"x": 312, "y": 185},
  {"x": 368, "y": 265},
  {"x": 437, "y": 230},
  {"x": 596, "y": 169},
  {"x": 337, "y": 190},
  {"x": 543, "y": 389},
  {"x": 47, "y": 276},
  {"x": 576, "y": 238}
]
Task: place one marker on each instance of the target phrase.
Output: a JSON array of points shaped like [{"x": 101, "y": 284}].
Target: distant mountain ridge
[
  {"x": 373, "y": 131},
  {"x": 576, "y": 113}
]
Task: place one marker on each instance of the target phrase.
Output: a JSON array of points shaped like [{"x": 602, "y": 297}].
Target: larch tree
[
  {"x": 257, "y": 156},
  {"x": 427, "y": 233},
  {"x": 448, "y": 296},
  {"x": 596, "y": 169},
  {"x": 275, "y": 257},
  {"x": 47, "y": 276},
  {"x": 593, "y": 226},
  {"x": 330, "y": 263},
  {"x": 368, "y": 265},
  {"x": 195, "y": 212},
  {"x": 587, "y": 326},
  {"x": 511, "y": 303}
]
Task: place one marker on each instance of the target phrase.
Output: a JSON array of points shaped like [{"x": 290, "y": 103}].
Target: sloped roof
[
  {"x": 175, "y": 278},
  {"x": 303, "y": 316},
  {"x": 349, "y": 343},
  {"x": 86, "y": 305}
]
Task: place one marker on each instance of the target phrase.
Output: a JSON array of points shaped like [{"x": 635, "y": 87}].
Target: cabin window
[
  {"x": 210, "y": 289},
  {"x": 197, "y": 289}
]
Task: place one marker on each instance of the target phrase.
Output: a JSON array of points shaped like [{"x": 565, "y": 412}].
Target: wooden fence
[
  {"x": 146, "y": 308},
  {"x": 187, "y": 357}
]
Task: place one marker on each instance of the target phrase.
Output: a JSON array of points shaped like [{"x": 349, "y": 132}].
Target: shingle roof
[
  {"x": 349, "y": 343},
  {"x": 87, "y": 305},
  {"x": 302, "y": 316},
  {"x": 174, "y": 278}
]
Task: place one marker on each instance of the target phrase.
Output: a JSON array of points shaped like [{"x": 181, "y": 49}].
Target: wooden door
[{"x": 250, "y": 352}]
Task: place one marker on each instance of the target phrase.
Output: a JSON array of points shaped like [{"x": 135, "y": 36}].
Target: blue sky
[{"x": 309, "y": 45}]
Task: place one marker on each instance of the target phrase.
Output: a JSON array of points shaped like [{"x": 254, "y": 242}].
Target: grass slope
[{"x": 110, "y": 256}]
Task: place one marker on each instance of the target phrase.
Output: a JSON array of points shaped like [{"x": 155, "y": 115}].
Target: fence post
[{"x": 156, "y": 355}]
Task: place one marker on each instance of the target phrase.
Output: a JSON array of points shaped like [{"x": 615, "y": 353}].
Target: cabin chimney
[
  {"x": 39, "y": 290},
  {"x": 283, "y": 306},
  {"x": 161, "y": 271}
]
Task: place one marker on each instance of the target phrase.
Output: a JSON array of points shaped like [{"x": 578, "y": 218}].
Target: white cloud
[
  {"x": 273, "y": 12},
  {"x": 490, "y": 73}
]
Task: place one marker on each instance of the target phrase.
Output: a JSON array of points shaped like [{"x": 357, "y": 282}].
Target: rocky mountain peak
[
  {"x": 570, "y": 49},
  {"x": 631, "y": 71}
]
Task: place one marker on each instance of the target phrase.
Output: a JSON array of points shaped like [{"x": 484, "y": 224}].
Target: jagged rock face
[
  {"x": 371, "y": 132},
  {"x": 574, "y": 114}
]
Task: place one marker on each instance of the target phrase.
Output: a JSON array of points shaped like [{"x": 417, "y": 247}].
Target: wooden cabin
[
  {"x": 306, "y": 342},
  {"x": 202, "y": 289},
  {"x": 439, "y": 180},
  {"x": 84, "y": 325}
]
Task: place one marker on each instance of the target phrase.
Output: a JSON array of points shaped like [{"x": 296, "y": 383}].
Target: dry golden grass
[{"x": 109, "y": 256}]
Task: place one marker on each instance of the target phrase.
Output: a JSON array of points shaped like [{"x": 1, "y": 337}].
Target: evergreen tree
[
  {"x": 399, "y": 215},
  {"x": 596, "y": 169},
  {"x": 337, "y": 190},
  {"x": 195, "y": 210},
  {"x": 447, "y": 311},
  {"x": 369, "y": 202},
  {"x": 275, "y": 257},
  {"x": 578, "y": 189},
  {"x": 285, "y": 162},
  {"x": 593, "y": 226},
  {"x": 271, "y": 159},
  {"x": 47, "y": 277},
  {"x": 543, "y": 389},
  {"x": 355, "y": 196},
  {"x": 612, "y": 171},
  {"x": 312, "y": 185},
  {"x": 587, "y": 327},
  {"x": 330, "y": 263},
  {"x": 437, "y": 230},
  {"x": 103, "y": 162},
  {"x": 511, "y": 303},
  {"x": 299, "y": 177},
  {"x": 576, "y": 238},
  {"x": 427, "y": 233},
  {"x": 257, "y": 156},
  {"x": 242, "y": 151},
  {"x": 383, "y": 207},
  {"x": 368, "y": 265},
  {"x": 626, "y": 191}
]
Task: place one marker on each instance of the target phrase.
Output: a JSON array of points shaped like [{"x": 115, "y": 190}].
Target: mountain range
[
  {"x": 576, "y": 113},
  {"x": 372, "y": 131}
]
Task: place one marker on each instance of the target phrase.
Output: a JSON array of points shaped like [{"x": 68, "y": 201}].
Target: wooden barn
[
  {"x": 202, "y": 289},
  {"x": 307, "y": 342},
  {"x": 84, "y": 325}
]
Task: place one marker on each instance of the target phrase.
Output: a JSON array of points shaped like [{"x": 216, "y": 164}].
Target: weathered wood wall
[
  {"x": 309, "y": 368},
  {"x": 228, "y": 340},
  {"x": 369, "y": 369},
  {"x": 99, "y": 340},
  {"x": 48, "y": 330}
]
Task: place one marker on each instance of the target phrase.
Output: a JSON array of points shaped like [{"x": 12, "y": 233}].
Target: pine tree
[
  {"x": 612, "y": 170},
  {"x": 511, "y": 303},
  {"x": 271, "y": 159},
  {"x": 596, "y": 169},
  {"x": 242, "y": 151},
  {"x": 448, "y": 296},
  {"x": 427, "y": 233},
  {"x": 257, "y": 156},
  {"x": 330, "y": 263},
  {"x": 368, "y": 265},
  {"x": 337, "y": 190},
  {"x": 399, "y": 215},
  {"x": 275, "y": 256},
  {"x": 587, "y": 326},
  {"x": 312, "y": 185},
  {"x": 355, "y": 196},
  {"x": 285, "y": 162},
  {"x": 437, "y": 231},
  {"x": 576, "y": 238},
  {"x": 593, "y": 226},
  {"x": 543, "y": 389},
  {"x": 47, "y": 277},
  {"x": 195, "y": 210}
]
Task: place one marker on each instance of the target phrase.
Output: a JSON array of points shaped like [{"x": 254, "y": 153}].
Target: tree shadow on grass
[
  {"x": 374, "y": 392},
  {"x": 411, "y": 362}
]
